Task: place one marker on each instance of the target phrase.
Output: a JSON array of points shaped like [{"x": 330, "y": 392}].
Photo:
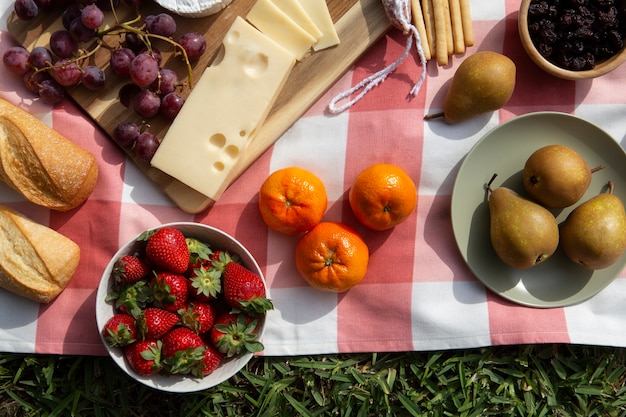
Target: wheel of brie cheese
[{"x": 194, "y": 8}]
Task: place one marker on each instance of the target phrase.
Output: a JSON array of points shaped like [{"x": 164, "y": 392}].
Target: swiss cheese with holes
[{"x": 228, "y": 103}]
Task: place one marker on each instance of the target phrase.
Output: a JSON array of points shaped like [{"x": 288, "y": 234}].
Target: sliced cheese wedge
[
  {"x": 228, "y": 103},
  {"x": 272, "y": 21},
  {"x": 320, "y": 15},
  {"x": 294, "y": 9}
]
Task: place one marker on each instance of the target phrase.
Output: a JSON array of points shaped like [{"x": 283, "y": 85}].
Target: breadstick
[
  {"x": 418, "y": 21},
  {"x": 429, "y": 22},
  {"x": 439, "y": 12},
  {"x": 457, "y": 27},
  {"x": 466, "y": 17},
  {"x": 449, "y": 37}
]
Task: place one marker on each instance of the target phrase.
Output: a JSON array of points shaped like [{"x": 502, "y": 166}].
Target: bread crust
[
  {"x": 42, "y": 165},
  {"x": 36, "y": 261}
]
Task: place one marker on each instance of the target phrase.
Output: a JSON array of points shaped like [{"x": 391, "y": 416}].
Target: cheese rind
[
  {"x": 194, "y": 8},
  {"x": 320, "y": 15},
  {"x": 272, "y": 21},
  {"x": 228, "y": 103}
]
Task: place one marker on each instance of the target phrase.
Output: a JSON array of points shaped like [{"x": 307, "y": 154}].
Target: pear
[
  {"x": 523, "y": 233},
  {"x": 556, "y": 176},
  {"x": 594, "y": 233},
  {"x": 484, "y": 82}
]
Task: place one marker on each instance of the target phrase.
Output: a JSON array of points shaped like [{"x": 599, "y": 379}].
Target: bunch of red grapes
[{"x": 153, "y": 89}]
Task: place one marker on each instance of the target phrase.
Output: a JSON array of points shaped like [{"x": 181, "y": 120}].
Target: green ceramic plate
[{"x": 558, "y": 281}]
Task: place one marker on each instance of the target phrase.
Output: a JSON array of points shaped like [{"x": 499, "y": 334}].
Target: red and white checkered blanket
[{"x": 418, "y": 293}]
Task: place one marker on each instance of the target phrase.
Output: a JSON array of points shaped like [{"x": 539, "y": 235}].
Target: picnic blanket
[{"x": 418, "y": 293}]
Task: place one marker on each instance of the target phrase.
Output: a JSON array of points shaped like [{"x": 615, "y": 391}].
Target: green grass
[{"x": 541, "y": 380}]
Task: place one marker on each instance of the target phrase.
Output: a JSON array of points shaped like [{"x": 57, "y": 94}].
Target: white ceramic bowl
[{"x": 178, "y": 383}]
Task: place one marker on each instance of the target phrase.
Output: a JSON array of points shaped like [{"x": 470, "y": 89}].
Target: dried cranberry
[{"x": 576, "y": 34}]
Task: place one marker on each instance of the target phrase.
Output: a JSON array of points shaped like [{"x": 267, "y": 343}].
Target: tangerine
[
  {"x": 382, "y": 196},
  {"x": 332, "y": 257},
  {"x": 292, "y": 200}
]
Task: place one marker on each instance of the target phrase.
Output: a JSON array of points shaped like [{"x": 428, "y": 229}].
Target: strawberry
[
  {"x": 244, "y": 290},
  {"x": 212, "y": 359},
  {"x": 154, "y": 322},
  {"x": 234, "y": 334},
  {"x": 198, "y": 316},
  {"x": 182, "y": 350},
  {"x": 169, "y": 291},
  {"x": 129, "y": 269},
  {"x": 144, "y": 356},
  {"x": 167, "y": 248},
  {"x": 120, "y": 330}
]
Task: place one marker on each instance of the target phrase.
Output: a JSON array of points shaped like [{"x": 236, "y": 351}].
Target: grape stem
[
  {"x": 118, "y": 29},
  {"x": 77, "y": 59},
  {"x": 111, "y": 3},
  {"x": 145, "y": 37}
]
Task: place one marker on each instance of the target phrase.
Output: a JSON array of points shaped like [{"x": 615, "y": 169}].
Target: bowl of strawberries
[{"x": 182, "y": 307}]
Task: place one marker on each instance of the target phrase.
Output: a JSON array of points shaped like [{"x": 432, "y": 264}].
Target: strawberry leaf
[
  {"x": 184, "y": 361},
  {"x": 206, "y": 282},
  {"x": 238, "y": 337},
  {"x": 198, "y": 250},
  {"x": 134, "y": 297},
  {"x": 153, "y": 353},
  {"x": 121, "y": 336},
  {"x": 145, "y": 235},
  {"x": 256, "y": 305}
]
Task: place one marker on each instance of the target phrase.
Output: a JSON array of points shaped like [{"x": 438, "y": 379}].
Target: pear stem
[
  {"x": 493, "y": 177},
  {"x": 611, "y": 187},
  {"x": 434, "y": 116},
  {"x": 596, "y": 169}
]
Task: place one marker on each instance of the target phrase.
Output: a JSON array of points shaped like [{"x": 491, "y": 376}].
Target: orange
[
  {"x": 382, "y": 196},
  {"x": 292, "y": 200},
  {"x": 332, "y": 257}
]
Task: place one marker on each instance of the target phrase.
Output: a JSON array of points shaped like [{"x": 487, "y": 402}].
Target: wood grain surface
[{"x": 359, "y": 24}]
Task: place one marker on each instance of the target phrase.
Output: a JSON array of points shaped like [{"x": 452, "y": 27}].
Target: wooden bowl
[{"x": 601, "y": 68}]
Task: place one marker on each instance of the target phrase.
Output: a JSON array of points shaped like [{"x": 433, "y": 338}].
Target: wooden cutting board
[{"x": 359, "y": 24}]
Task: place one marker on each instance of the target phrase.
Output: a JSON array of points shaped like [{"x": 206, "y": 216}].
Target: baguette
[
  {"x": 42, "y": 165},
  {"x": 36, "y": 262}
]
